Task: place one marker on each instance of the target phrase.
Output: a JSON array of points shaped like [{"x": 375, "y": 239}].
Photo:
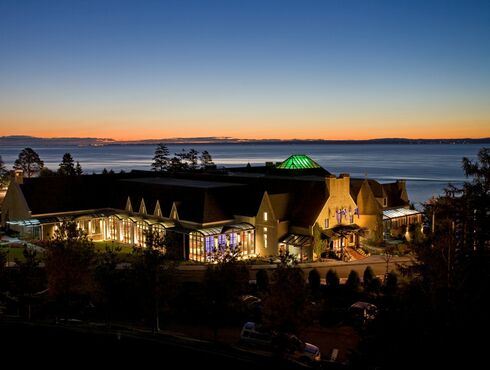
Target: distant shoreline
[{"x": 95, "y": 142}]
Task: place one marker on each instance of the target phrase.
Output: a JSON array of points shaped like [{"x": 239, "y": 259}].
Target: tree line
[
  {"x": 31, "y": 164},
  {"x": 184, "y": 161}
]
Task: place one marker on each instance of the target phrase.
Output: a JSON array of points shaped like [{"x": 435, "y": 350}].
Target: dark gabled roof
[
  {"x": 55, "y": 194},
  {"x": 376, "y": 187},
  {"x": 308, "y": 203},
  {"x": 181, "y": 182},
  {"x": 396, "y": 194},
  {"x": 197, "y": 201},
  {"x": 281, "y": 204}
]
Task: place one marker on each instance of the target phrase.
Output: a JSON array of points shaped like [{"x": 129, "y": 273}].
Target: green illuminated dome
[{"x": 298, "y": 162}]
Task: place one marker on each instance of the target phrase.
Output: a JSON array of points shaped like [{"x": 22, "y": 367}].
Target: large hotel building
[{"x": 295, "y": 205}]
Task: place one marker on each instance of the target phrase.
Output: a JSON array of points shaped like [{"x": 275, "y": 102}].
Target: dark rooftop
[{"x": 187, "y": 183}]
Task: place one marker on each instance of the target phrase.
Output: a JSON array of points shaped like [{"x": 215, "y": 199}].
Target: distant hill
[{"x": 21, "y": 140}]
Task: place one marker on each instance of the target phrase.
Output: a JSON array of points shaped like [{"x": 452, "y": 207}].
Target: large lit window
[
  {"x": 265, "y": 216},
  {"x": 233, "y": 239},
  {"x": 265, "y": 240}
]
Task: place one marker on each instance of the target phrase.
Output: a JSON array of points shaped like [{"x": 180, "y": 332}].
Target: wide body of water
[{"x": 427, "y": 168}]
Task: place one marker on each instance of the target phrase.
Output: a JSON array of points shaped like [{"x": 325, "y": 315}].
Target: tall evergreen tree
[
  {"x": 192, "y": 159},
  {"x": 78, "y": 169},
  {"x": 206, "y": 160},
  {"x": 28, "y": 278},
  {"x": 69, "y": 259},
  {"x": 155, "y": 274},
  {"x": 4, "y": 174},
  {"x": 161, "y": 160},
  {"x": 287, "y": 296},
  {"x": 29, "y": 162},
  {"x": 67, "y": 166}
]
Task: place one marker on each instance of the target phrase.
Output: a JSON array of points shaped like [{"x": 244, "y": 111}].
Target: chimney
[
  {"x": 329, "y": 179},
  {"x": 19, "y": 176}
]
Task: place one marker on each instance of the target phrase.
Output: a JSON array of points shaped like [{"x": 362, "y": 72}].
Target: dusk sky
[{"x": 246, "y": 69}]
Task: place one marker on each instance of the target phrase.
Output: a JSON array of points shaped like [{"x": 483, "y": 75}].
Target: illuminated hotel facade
[{"x": 294, "y": 205}]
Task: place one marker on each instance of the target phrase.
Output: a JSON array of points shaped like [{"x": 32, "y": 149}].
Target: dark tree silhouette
[
  {"x": 262, "y": 279},
  {"x": 3, "y": 272},
  {"x": 161, "y": 161},
  {"x": 368, "y": 276},
  {"x": 192, "y": 158},
  {"x": 4, "y": 174},
  {"x": 107, "y": 279},
  {"x": 69, "y": 261},
  {"x": 314, "y": 281},
  {"x": 78, "y": 169},
  {"x": 67, "y": 166},
  {"x": 29, "y": 279},
  {"x": 224, "y": 281},
  {"x": 444, "y": 299},
  {"x": 154, "y": 272},
  {"x": 206, "y": 160},
  {"x": 353, "y": 283},
  {"x": 29, "y": 162},
  {"x": 332, "y": 278},
  {"x": 45, "y": 172},
  {"x": 287, "y": 296}
]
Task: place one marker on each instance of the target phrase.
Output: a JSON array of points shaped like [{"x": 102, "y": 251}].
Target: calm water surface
[{"x": 426, "y": 167}]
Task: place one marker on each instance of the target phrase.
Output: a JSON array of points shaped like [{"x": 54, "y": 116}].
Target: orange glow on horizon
[{"x": 282, "y": 130}]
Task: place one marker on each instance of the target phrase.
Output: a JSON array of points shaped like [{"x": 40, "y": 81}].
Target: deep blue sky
[{"x": 329, "y": 69}]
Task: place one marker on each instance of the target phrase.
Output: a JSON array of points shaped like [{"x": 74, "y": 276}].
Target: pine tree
[
  {"x": 192, "y": 159},
  {"x": 161, "y": 160},
  {"x": 78, "y": 169},
  {"x": 206, "y": 160},
  {"x": 67, "y": 166},
  {"x": 29, "y": 162},
  {"x": 4, "y": 174}
]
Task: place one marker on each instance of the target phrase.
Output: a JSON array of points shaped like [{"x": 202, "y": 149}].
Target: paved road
[{"x": 64, "y": 347}]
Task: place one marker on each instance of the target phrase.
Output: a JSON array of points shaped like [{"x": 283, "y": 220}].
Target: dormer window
[{"x": 265, "y": 216}]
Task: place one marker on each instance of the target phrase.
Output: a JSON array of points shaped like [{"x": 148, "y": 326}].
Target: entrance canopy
[
  {"x": 390, "y": 214},
  {"x": 297, "y": 240},
  {"x": 339, "y": 231}
]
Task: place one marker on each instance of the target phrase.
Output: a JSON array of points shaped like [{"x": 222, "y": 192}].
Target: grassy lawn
[
  {"x": 15, "y": 252},
  {"x": 101, "y": 246}
]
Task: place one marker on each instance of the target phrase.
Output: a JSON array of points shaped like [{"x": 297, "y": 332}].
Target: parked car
[
  {"x": 291, "y": 347},
  {"x": 300, "y": 351},
  {"x": 362, "y": 312},
  {"x": 253, "y": 335}
]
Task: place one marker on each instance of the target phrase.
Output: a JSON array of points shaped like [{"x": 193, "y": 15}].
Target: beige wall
[
  {"x": 373, "y": 224},
  {"x": 271, "y": 224},
  {"x": 340, "y": 198}
]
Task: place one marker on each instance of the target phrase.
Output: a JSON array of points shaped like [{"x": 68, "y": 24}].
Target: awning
[
  {"x": 226, "y": 229},
  {"x": 389, "y": 214},
  {"x": 209, "y": 231},
  {"x": 242, "y": 226},
  {"x": 25, "y": 223},
  {"x": 297, "y": 240},
  {"x": 340, "y": 230}
]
